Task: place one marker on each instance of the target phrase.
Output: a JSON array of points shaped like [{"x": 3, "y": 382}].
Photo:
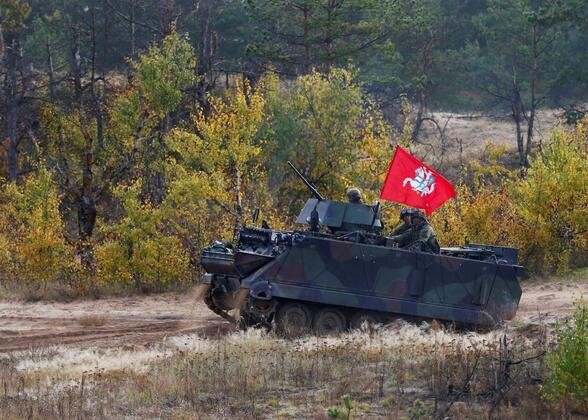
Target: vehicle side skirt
[{"x": 382, "y": 304}]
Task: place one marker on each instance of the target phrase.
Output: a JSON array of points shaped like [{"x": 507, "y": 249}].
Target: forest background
[{"x": 134, "y": 133}]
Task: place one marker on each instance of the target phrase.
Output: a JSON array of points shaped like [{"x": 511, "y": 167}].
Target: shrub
[
  {"x": 5, "y": 253},
  {"x": 343, "y": 411},
  {"x": 112, "y": 264},
  {"x": 329, "y": 129},
  {"x": 418, "y": 410},
  {"x": 483, "y": 216},
  {"x": 159, "y": 262},
  {"x": 33, "y": 246},
  {"x": 140, "y": 250},
  {"x": 545, "y": 214},
  {"x": 568, "y": 360},
  {"x": 552, "y": 202}
]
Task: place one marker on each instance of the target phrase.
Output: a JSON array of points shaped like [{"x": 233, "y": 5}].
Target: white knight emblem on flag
[{"x": 423, "y": 182}]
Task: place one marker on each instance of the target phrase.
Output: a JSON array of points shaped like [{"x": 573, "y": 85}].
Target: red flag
[{"x": 413, "y": 183}]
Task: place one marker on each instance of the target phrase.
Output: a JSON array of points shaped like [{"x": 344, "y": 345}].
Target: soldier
[
  {"x": 354, "y": 196},
  {"x": 405, "y": 224},
  {"x": 420, "y": 234}
]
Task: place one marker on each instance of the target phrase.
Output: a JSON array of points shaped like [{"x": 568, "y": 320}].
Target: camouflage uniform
[
  {"x": 405, "y": 215},
  {"x": 422, "y": 233},
  {"x": 400, "y": 229}
]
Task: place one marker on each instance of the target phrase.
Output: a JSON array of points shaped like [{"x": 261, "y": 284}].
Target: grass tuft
[{"x": 93, "y": 320}]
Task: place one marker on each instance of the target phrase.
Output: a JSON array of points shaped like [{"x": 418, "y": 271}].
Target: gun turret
[{"x": 311, "y": 187}]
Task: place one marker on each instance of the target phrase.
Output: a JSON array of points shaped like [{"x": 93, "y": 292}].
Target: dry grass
[
  {"x": 397, "y": 371},
  {"x": 466, "y": 137},
  {"x": 476, "y": 130},
  {"x": 93, "y": 320}
]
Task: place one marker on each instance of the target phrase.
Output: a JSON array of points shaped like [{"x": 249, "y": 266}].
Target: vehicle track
[{"x": 115, "y": 322}]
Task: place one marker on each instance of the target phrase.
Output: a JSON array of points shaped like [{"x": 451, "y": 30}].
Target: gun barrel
[{"x": 307, "y": 182}]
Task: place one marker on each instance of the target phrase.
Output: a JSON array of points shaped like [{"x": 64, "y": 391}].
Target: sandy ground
[
  {"x": 127, "y": 333},
  {"x": 147, "y": 320},
  {"x": 113, "y": 322},
  {"x": 545, "y": 304}
]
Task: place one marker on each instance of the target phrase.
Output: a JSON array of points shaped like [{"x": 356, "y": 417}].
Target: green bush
[
  {"x": 568, "y": 360},
  {"x": 343, "y": 411},
  {"x": 140, "y": 250},
  {"x": 418, "y": 410}
]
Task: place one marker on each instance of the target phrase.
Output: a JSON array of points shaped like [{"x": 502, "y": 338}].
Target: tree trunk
[
  {"x": 87, "y": 206},
  {"x": 132, "y": 28},
  {"x": 238, "y": 203},
  {"x": 530, "y": 129},
  {"x": 329, "y": 37},
  {"x": 76, "y": 60},
  {"x": 518, "y": 116},
  {"x": 168, "y": 17},
  {"x": 96, "y": 105},
  {"x": 153, "y": 188},
  {"x": 418, "y": 123},
  {"x": 520, "y": 138},
  {"x": 155, "y": 185},
  {"x": 2, "y": 45},
  {"x": 307, "y": 60},
  {"x": 11, "y": 134},
  {"x": 206, "y": 50},
  {"x": 50, "y": 71},
  {"x": 63, "y": 157},
  {"x": 533, "y": 88},
  {"x": 11, "y": 116},
  {"x": 205, "y": 47}
]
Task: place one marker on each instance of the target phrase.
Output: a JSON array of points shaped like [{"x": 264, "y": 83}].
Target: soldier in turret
[
  {"x": 420, "y": 234},
  {"x": 405, "y": 215},
  {"x": 354, "y": 196}
]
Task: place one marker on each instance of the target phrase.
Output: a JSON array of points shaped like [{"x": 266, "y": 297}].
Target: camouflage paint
[{"x": 364, "y": 272}]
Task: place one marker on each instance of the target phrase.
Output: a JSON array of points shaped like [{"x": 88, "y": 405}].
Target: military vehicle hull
[{"x": 326, "y": 281}]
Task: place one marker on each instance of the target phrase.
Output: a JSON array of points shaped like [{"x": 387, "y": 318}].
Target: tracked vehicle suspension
[{"x": 210, "y": 302}]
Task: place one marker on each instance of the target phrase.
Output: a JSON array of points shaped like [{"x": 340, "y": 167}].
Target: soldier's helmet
[
  {"x": 354, "y": 195},
  {"x": 405, "y": 212},
  {"x": 417, "y": 214}
]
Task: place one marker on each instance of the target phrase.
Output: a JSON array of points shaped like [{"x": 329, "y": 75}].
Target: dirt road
[
  {"x": 112, "y": 322},
  {"x": 144, "y": 321}
]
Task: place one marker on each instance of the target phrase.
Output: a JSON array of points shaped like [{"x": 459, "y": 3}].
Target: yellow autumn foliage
[
  {"x": 138, "y": 251},
  {"x": 552, "y": 203},
  {"x": 230, "y": 134},
  {"x": 484, "y": 216},
  {"x": 210, "y": 168},
  {"x": 545, "y": 214},
  {"x": 33, "y": 245}
]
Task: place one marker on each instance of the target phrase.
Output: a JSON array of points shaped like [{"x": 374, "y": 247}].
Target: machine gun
[
  {"x": 313, "y": 220},
  {"x": 311, "y": 187}
]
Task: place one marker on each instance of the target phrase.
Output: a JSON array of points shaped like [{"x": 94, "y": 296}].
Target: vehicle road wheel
[
  {"x": 329, "y": 321},
  {"x": 246, "y": 321},
  {"x": 293, "y": 319},
  {"x": 364, "y": 317}
]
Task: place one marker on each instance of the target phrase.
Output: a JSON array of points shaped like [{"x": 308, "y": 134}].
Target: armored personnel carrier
[{"x": 338, "y": 271}]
